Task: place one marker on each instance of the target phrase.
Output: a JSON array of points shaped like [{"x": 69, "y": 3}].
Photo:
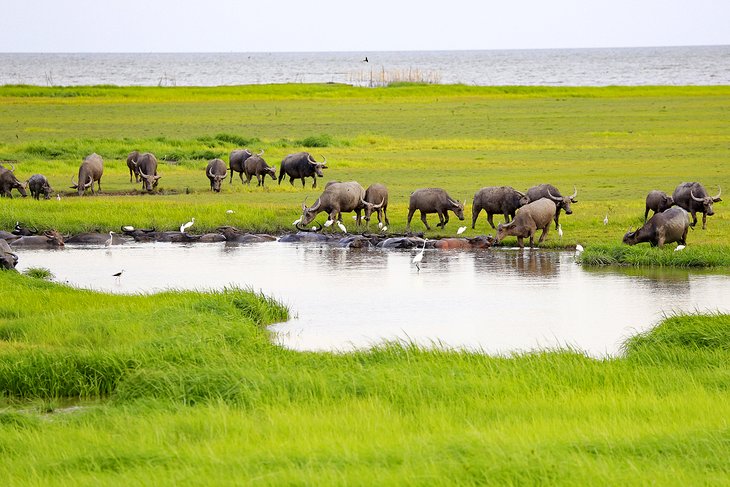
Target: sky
[{"x": 341, "y": 25}]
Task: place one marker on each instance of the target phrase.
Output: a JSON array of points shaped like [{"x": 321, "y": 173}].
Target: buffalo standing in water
[
  {"x": 662, "y": 228},
  {"x": 301, "y": 165},
  {"x": 657, "y": 201},
  {"x": 531, "y": 218},
  {"x": 551, "y": 192},
  {"x": 8, "y": 182},
  {"x": 694, "y": 198},
  {"x": 433, "y": 200},
  {"x": 216, "y": 172},
  {"x": 91, "y": 169},
  {"x": 236, "y": 161},
  {"x": 503, "y": 200}
]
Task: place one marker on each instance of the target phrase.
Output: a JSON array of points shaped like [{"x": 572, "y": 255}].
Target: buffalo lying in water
[
  {"x": 662, "y": 228},
  {"x": 8, "y": 260},
  {"x": 49, "y": 239}
]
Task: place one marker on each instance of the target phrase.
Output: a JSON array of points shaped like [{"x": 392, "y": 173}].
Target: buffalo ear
[
  {"x": 158, "y": 177},
  {"x": 74, "y": 186},
  {"x": 715, "y": 200}
]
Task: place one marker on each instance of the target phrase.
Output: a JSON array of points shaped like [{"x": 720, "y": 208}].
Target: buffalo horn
[
  {"x": 304, "y": 204},
  {"x": 552, "y": 197},
  {"x": 91, "y": 181},
  {"x": 719, "y": 192},
  {"x": 305, "y": 229},
  {"x": 207, "y": 170},
  {"x": 141, "y": 172},
  {"x": 692, "y": 194},
  {"x": 261, "y": 152},
  {"x": 323, "y": 163},
  {"x": 575, "y": 193},
  {"x": 13, "y": 167},
  {"x": 74, "y": 183}
]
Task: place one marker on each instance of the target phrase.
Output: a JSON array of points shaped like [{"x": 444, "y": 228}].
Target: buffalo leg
[
  {"x": 694, "y": 219},
  {"x": 704, "y": 220},
  {"x": 314, "y": 184},
  {"x": 423, "y": 219},
  {"x": 490, "y": 219},
  {"x": 544, "y": 233},
  {"x": 683, "y": 241},
  {"x": 557, "y": 217},
  {"x": 258, "y": 178},
  {"x": 385, "y": 214},
  {"x": 240, "y": 175},
  {"x": 475, "y": 214},
  {"x": 646, "y": 214},
  {"x": 231, "y": 180},
  {"x": 446, "y": 219},
  {"x": 357, "y": 220},
  {"x": 130, "y": 174},
  {"x": 521, "y": 242}
]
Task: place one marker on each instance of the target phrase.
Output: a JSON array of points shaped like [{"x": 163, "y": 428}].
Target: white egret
[
  {"x": 342, "y": 227},
  {"x": 419, "y": 256},
  {"x": 578, "y": 248},
  {"x": 229, "y": 212},
  {"x": 384, "y": 229},
  {"x": 605, "y": 219},
  {"x": 460, "y": 230},
  {"x": 187, "y": 225},
  {"x": 328, "y": 223},
  {"x": 110, "y": 240},
  {"x": 679, "y": 247},
  {"x": 58, "y": 197},
  {"x": 380, "y": 225},
  {"x": 560, "y": 230}
]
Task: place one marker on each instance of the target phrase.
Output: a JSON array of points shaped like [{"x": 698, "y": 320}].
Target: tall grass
[{"x": 644, "y": 255}]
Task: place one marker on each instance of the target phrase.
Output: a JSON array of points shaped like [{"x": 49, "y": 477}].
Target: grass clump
[
  {"x": 645, "y": 255},
  {"x": 39, "y": 273}
]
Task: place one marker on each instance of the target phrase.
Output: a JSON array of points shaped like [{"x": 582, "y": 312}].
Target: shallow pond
[{"x": 498, "y": 300}]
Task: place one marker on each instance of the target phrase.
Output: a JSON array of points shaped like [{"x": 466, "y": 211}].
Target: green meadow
[{"x": 188, "y": 388}]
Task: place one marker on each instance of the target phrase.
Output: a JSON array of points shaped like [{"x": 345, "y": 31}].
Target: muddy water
[{"x": 498, "y": 301}]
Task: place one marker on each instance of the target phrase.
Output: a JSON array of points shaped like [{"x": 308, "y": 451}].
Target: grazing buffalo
[
  {"x": 8, "y": 182},
  {"x": 91, "y": 170},
  {"x": 132, "y": 165},
  {"x": 38, "y": 184},
  {"x": 531, "y": 218},
  {"x": 147, "y": 165},
  {"x": 301, "y": 165},
  {"x": 694, "y": 198},
  {"x": 551, "y": 192},
  {"x": 256, "y": 166},
  {"x": 337, "y": 198},
  {"x": 377, "y": 195},
  {"x": 433, "y": 200},
  {"x": 8, "y": 260},
  {"x": 662, "y": 228},
  {"x": 50, "y": 239},
  {"x": 236, "y": 161},
  {"x": 502, "y": 200},
  {"x": 657, "y": 201},
  {"x": 216, "y": 172}
]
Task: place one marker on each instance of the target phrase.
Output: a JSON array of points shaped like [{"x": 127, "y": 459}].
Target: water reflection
[{"x": 498, "y": 301}]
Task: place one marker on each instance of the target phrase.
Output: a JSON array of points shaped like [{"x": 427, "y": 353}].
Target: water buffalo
[
  {"x": 8, "y": 182},
  {"x": 256, "y": 166},
  {"x": 216, "y": 172},
  {"x": 657, "y": 201},
  {"x": 236, "y": 160},
  {"x": 502, "y": 200},
  {"x": 551, "y": 192},
  {"x": 433, "y": 200},
  {"x": 147, "y": 165},
  {"x": 377, "y": 194},
  {"x": 301, "y": 165},
  {"x": 38, "y": 184},
  {"x": 662, "y": 228},
  {"x": 50, "y": 239},
  {"x": 132, "y": 165},
  {"x": 531, "y": 218},
  {"x": 91, "y": 170},
  {"x": 8, "y": 260},
  {"x": 334, "y": 200},
  {"x": 694, "y": 198}
]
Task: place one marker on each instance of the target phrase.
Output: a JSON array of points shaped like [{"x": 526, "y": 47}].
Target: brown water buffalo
[
  {"x": 91, "y": 169},
  {"x": 551, "y": 192},
  {"x": 257, "y": 166},
  {"x": 147, "y": 165},
  {"x": 337, "y": 198},
  {"x": 216, "y": 172},
  {"x": 8, "y": 182},
  {"x": 433, "y": 200},
  {"x": 528, "y": 220},
  {"x": 301, "y": 165},
  {"x": 479, "y": 242},
  {"x": 662, "y": 228},
  {"x": 694, "y": 198},
  {"x": 657, "y": 201},
  {"x": 377, "y": 195},
  {"x": 501, "y": 200},
  {"x": 38, "y": 184},
  {"x": 49, "y": 239},
  {"x": 236, "y": 161},
  {"x": 132, "y": 165}
]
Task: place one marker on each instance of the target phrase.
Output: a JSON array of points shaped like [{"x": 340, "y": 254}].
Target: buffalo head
[
  {"x": 564, "y": 201},
  {"x": 707, "y": 201}
]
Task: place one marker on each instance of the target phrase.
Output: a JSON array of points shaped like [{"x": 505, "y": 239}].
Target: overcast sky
[{"x": 341, "y": 25}]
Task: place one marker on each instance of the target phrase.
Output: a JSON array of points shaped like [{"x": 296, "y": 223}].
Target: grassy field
[
  {"x": 187, "y": 388},
  {"x": 614, "y": 144}
]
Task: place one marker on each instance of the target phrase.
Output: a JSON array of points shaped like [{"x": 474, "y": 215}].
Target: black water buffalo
[
  {"x": 8, "y": 182},
  {"x": 531, "y": 218},
  {"x": 132, "y": 165},
  {"x": 337, "y": 198},
  {"x": 662, "y": 228},
  {"x": 91, "y": 169},
  {"x": 377, "y": 194},
  {"x": 433, "y": 200},
  {"x": 301, "y": 165},
  {"x": 216, "y": 172},
  {"x": 147, "y": 166},
  {"x": 49, "y": 239},
  {"x": 236, "y": 161},
  {"x": 657, "y": 201},
  {"x": 8, "y": 260},
  {"x": 501, "y": 200},
  {"x": 257, "y": 166},
  {"x": 38, "y": 184},
  {"x": 694, "y": 198},
  {"x": 551, "y": 192}
]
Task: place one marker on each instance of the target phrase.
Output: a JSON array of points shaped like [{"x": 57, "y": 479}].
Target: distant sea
[{"x": 704, "y": 65}]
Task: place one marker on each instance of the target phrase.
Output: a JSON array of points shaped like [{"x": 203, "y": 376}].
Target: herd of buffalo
[{"x": 538, "y": 206}]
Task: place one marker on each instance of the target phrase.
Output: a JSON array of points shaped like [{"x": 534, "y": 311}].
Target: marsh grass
[
  {"x": 645, "y": 255},
  {"x": 39, "y": 273}
]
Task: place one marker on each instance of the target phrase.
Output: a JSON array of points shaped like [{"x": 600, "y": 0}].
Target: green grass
[
  {"x": 614, "y": 143},
  {"x": 187, "y": 388},
  {"x": 643, "y": 255}
]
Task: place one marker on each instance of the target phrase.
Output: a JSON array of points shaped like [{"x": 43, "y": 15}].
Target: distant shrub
[
  {"x": 323, "y": 140},
  {"x": 236, "y": 139},
  {"x": 39, "y": 273},
  {"x": 206, "y": 154}
]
